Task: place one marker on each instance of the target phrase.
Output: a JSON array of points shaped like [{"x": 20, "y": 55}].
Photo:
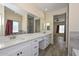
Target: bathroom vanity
[
  {"x": 24, "y": 44},
  {"x": 23, "y": 33}
]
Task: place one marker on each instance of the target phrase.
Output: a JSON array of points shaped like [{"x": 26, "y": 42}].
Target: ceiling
[{"x": 50, "y": 6}]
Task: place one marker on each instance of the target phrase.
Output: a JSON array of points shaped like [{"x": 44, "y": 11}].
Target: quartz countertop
[{"x": 5, "y": 41}]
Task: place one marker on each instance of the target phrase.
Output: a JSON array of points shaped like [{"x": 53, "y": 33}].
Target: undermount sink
[{"x": 44, "y": 32}]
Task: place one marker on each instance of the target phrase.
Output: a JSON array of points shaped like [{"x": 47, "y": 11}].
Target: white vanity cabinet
[
  {"x": 25, "y": 48},
  {"x": 26, "y": 51},
  {"x": 30, "y": 48},
  {"x": 45, "y": 42},
  {"x": 14, "y": 53},
  {"x": 9, "y": 53}
]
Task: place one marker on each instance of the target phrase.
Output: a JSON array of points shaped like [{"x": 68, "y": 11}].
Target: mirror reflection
[{"x": 14, "y": 23}]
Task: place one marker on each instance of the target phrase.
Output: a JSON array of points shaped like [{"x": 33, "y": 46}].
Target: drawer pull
[{"x": 35, "y": 46}]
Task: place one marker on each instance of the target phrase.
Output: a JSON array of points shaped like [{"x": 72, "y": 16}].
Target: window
[
  {"x": 15, "y": 26},
  {"x": 61, "y": 28}
]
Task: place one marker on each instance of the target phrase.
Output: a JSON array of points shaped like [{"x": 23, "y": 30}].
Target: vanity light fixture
[
  {"x": 46, "y": 9},
  {"x": 47, "y": 24}
]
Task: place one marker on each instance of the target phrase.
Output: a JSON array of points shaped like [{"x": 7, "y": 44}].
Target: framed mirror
[{"x": 14, "y": 23}]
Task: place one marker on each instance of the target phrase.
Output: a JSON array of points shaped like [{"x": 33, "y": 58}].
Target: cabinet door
[
  {"x": 35, "y": 47},
  {"x": 47, "y": 41},
  {"x": 10, "y": 51},
  {"x": 47, "y": 38},
  {"x": 14, "y": 53},
  {"x": 44, "y": 43},
  {"x": 26, "y": 51}
]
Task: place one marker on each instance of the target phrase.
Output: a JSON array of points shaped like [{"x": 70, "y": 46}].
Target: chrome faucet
[{"x": 12, "y": 37}]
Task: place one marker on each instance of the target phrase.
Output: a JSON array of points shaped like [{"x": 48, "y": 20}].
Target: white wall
[
  {"x": 31, "y": 9},
  {"x": 2, "y": 15},
  {"x": 74, "y": 17},
  {"x": 24, "y": 23},
  {"x": 73, "y": 22},
  {"x": 11, "y": 15},
  {"x": 49, "y": 19}
]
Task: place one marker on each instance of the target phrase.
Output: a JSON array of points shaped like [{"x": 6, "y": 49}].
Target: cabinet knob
[
  {"x": 17, "y": 54},
  {"x": 20, "y": 52}
]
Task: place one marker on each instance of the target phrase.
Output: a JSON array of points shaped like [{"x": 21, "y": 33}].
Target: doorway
[
  {"x": 59, "y": 32},
  {"x": 59, "y": 27}
]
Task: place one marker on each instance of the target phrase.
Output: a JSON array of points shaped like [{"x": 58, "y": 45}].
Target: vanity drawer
[
  {"x": 35, "y": 44},
  {"x": 35, "y": 41},
  {"x": 35, "y": 47},
  {"x": 35, "y": 51}
]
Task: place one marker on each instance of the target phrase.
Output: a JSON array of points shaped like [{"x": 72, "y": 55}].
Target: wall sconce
[{"x": 48, "y": 26}]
